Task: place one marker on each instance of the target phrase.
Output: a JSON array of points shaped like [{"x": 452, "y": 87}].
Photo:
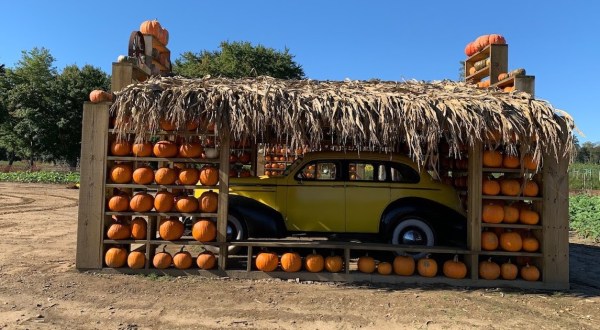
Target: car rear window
[{"x": 403, "y": 173}]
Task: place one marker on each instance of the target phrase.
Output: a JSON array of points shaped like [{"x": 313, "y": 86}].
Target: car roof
[{"x": 362, "y": 155}]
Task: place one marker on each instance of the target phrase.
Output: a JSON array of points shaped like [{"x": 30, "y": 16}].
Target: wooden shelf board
[
  {"x": 510, "y": 81},
  {"x": 506, "y": 170},
  {"x": 160, "y": 159},
  {"x": 482, "y": 54},
  {"x": 477, "y": 76},
  {"x": 184, "y": 242},
  {"x": 511, "y": 254},
  {"x": 512, "y": 198},
  {"x": 510, "y": 225},
  {"x": 274, "y": 169},
  {"x": 157, "y": 186},
  {"x": 165, "y": 214},
  {"x": 161, "y": 133},
  {"x": 124, "y": 241}
]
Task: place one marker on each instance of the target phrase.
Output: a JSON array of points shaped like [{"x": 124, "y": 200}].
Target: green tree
[{"x": 239, "y": 59}]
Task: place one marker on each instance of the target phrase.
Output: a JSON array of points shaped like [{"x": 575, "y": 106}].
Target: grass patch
[
  {"x": 584, "y": 215},
  {"x": 41, "y": 177}
]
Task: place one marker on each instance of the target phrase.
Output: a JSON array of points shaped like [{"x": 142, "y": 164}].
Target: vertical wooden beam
[
  {"x": 525, "y": 84},
  {"x": 94, "y": 141},
  {"x": 122, "y": 76},
  {"x": 474, "y": 209},
  {"x": 224, "y": 135},
  {"x": 499, "y": 61},
  {"x": 347, "y": 260},
  {"x": 249, "y": 260},
  {"x": 555, "y": 222}
]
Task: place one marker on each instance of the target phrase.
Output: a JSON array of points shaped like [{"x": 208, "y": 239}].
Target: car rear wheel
[
  {"x": 413, "y": 230},
  {"x": 236, "y": 231}
]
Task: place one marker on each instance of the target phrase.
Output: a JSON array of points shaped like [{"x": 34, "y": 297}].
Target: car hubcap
[{"x": 414, "y": 237}]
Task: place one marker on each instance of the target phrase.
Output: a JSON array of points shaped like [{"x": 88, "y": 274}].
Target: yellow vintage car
[{"x": 375, "y": 196}]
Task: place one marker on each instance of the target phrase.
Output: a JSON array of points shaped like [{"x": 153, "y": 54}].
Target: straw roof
[{"x": 380, "y": 115}]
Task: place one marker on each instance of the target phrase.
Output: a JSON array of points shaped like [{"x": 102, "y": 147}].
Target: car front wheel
[{"x": 413, "y": 230}]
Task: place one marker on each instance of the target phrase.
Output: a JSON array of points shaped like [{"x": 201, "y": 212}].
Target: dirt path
[{"x": 40, "y": 289}]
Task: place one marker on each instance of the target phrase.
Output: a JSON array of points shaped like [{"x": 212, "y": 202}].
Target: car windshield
[{"x": 292, "y": 166}]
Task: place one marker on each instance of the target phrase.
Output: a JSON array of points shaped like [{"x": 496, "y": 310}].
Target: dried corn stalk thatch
[{"x": 367, "y": 114}]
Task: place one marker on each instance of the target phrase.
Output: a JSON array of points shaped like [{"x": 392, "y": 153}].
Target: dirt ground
[{"x": 41, "y": 289}]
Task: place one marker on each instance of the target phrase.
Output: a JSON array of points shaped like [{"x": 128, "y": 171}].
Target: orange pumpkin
[
  {"x": 166, "y": 125},
  {"x": 334, "y": 264},
  {"x": 97, "y": 96},
  {"x": 136, "y": 260},
  {"x": 151, "y": 27},
  {"x": 118, "y": 230},
  {"x": 510, "y": 161},
  {"x": 192, "y": 125},
  {"x": 529, "y": 163},
  {"x": 511, "y": 241},
  {"x": 511, "y": 214},
  {"x": 530, "y": 244},
  {"x": 115, "y": 257},
  {"x": 120, "y": 148},
  {"x": 139, "y": 228},
  {"x": 489, "y": 241},
  {"x": 314, "y": 262},
  {"x": 530, "y": 273},
  {"x": 291, "y": 262},
  {"x": 531, "y": 189},
  {"x": 209, "y": 202},
  {"x": 496, "y": 39},
  {"x": 170, "y": 229},
  {"x": 143, "y": 149},
  {"x": 121, "y": 173},
  {"x": 502, "y": 76},
  {"x": 162, "y": 260},
  {"x": 454, "y": 268},
  {"x": 143, "y": 175},
  {"x": 206, "y": 260},
  {"x": 366, "y": 264},
  {"x": 190, "y": 150},
  {"x": 267, "y": 261},
  {"x": 182, "y": 259},
  {"x": 384, "y": 268},
  {"x": 165, "y": 176},
  {"x": 427, "y": 267},
  {"x": 165, "y": 149},
  {"x": 141, "y": 202},
  {"x": 164, "y": 201},
  {"x": 508, "y": 271},
  {"x": 186, "y": 204},
  {"x": 489, "y": 270},
  {"x": 404, "y": 265},
  {"x": 529, "y": 217},
  {"x": 188, "y": 176},
  {"x": 510, "y": 187},
  {"x": 492, "y": 158},
  {"x": 204, "y": 230},
  {"x": 490, "y": 187},
  {"x": 118, "y": 203},
  {"x": 209, "y": 176},
  {"x": 492, "y": 213}
]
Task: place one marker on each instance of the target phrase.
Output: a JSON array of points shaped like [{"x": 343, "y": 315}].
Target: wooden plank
[
  {"x": 474, "y": 209},
  {"x": 510, "y": 225},
  {"x": 157, "y": 186},
  {"x": 555, "y": 222},
  {"x": 525, "y": 84},
  {"x": 158, "y": 159},
  {"x": 499, "y": 61},
  {"x": 94, "y": 141},
  {"x": 222, "y": 212},
  {"x": 122, "y": 76},
  {"x": 165, "y": 214},
  {"x": 513, "y": 198},
  {"x": 347, "y": 260},
  {"x": 510, "y": 254},
  {"x": 249, "y": 259}
]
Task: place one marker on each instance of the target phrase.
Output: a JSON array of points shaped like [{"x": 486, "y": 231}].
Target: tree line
[{"x": 588, "y": 152}]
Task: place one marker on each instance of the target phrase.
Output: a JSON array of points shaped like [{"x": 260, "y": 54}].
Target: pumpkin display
[
  {"x": 529, "y": 163},
  {"x": 165, "y": 149},
  {"x": 204, "y": 230},
  {"x": 244, "y": 157},
  {"x": 510, "y": 187},
  {"x": 143, "y": 175},
  {"x": 492, "y": 213},
  {"x": 427, "y": 267},
  {"x": 454, "y": 268},
  {"x": 509, "y": 271},
  {"x": 267, "y": 261},
  {"x": 162, "y": 260},
  {"x": 490, "y": 187},
  {"x": 334, "y": 264},
  {"x": 530, "y": 244},
  {"x": 314, "y": 262},
  {"x": 511, "y": 214},
  {"x": 366, "y": 264},
  {"x": 182, "y": 259},
  {"x": 118, "y": 203},
  {"x": 208, "y": 202},
  {"x": 119, "y": 229},
  {"x": 151, "y": 27},
  {"x": 489, "y": 270},
  {"x": 489, "y": 241},
  {"x": 139, "y": 228},
  {"x": 291, "y": 262},
  {"x": 186, "y": 204},
  {"x": 170, "y": 229},
  {"x": 166, "y": 125},
  {"x": 97, "y": 96},
  {"x": 209, "y": 176},
  {"x": 141, "y": 202},
  {"x": 530, "y": 273},
  {"x": 470, "y": 49},
  {"x": 188, "y": 176},
  {"x": 404, "y": 265},
  {"x": 206, "y": 260},
  {"x": 510, "y": 161},
  {"x": 502, "y": 76},
  {"x": 492, "y": 158},
  {"x": 508, "y": 89},
  {"x": 120, "y": 148},
  {"x": 511, "y": 241},
  {"x": 384, "y": 268},
  {"x": 136, "y": 260},
  {"x": 531, "y": 189},
  {"x": 496, "y": 39},
  {"x": 190, "y": 150},
  {"x": 165, "y": 176},
  {"x": 121, "y": 173},
  {"x": 115, "y": 257},
  {"x": 529, "y": 217},
  {"x": 143, "y": 149},
  {"x": 164, "y": 201}
]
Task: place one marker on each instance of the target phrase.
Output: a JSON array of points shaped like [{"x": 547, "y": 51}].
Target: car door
[
  {"x": 367, "y": 195},
  {"x": 316, "y": 198}
]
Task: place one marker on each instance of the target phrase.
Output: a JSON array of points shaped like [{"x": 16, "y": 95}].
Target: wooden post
[
  {"x": 525, "y": 84},
  {"x": 125, "y": 74},
  {"x": 555, "y": 222},
  {"x": 474, "y": 209},
  {"x": 224, "y": 134},
  {"x": 498, "y": 61},
  {"x": 94, "y": 141}
]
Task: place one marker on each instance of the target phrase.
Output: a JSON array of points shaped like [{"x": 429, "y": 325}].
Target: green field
[{"x": 584, "y": 176}]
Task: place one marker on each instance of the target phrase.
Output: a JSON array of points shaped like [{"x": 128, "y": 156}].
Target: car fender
[{"x": 261, "y": 220}]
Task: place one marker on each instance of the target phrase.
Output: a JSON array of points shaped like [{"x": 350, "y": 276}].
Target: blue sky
[{"x": 557, "y": 41}]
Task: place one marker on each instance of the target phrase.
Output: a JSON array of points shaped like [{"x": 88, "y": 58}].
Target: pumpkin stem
[
  {"x": 181, "y": 250},
  {"x": 164, "y": 248},
  {"x": 314, "y": 251},
  {"x": 456, "y": 258},
  {"x": 490, "y": 259}
]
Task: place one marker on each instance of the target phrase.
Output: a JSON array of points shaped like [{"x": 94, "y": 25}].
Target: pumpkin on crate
[
  {"x": 530, "y": 244},
  {"x": 209, "y": 175},
  {"x": 190, "y": 150},
  {"x": 162, "y": 260},
  {"x": 509, "y": 271},
  {"x": 182, "y": 259},
  {"x": 511, "y": 214},
  {"x": 530, "y": 163},
  {"x": 206, "y": 260},
  {"x": 366, "y": 264},
  {"x": 136, "y": 260},
  {"x": 291, "y": 262},
  {"x": 186, "y": 204},
  {"x": 119, "y": 202},
  {"x": 530, "y": 273},
  {"x": 490, "y": 187},
  {"x": 121, "y": 173},
  {"x": 139, "y": 228},
  {"x": 118, "y": 229},
  {"x": 170, "y": 229},
  {"x": 141, "y": 202},
  {"x": 314, "y": 262},
  {"x": 143, "y": 175},
  {"x": 502, "y": 76},
  {"x": 166, "y": 125},
  {"x": 98, "y": 95},
  {"x": 492, "y": 158},
  {"x": 492, "y": 213},
  {"x": 208, "y": 202},
  {"x": 204, "y": 230},
  {"x": 510, "y": 187},
  {"x": 165, "y": 149},
  {"x": 529, "y": 217},
  {"x": 454, "y": 268},
  {"x": 511, "y": 241},
  {"x": 334, "y": 264},
  {"x": 164, "y": 201},
  {"x": 510, "y": 161},
  {"x": 244, "y": 157},
  {"x": 427, "y": 267},
  {"x": 531, "y": 188},
  {"x": 489, "y": 270},
  {"x": 192, "y": 125},
  {"x": 151, "y": 27},
  {"x": 404, "y": 265},
  {"x": 188, "y": 176},
  {"x": 267, "y": 261},
  {"x": 115, "y": 257},
  {"x": 489, "y": 241},
  {"x": 120, "y": 148},
  {"x": 384, "y": 268},
  {"x": 165, "y": 176},
  {"x": 142, "y": 149}
]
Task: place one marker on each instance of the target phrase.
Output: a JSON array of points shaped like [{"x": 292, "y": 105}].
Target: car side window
[
  {"x": 361, "y": 171},
  {"x": 403, "y": 174},
  {"x": 320, "y": 171}
]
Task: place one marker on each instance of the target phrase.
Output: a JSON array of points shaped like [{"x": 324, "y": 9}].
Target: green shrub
[
  {"x": 584, "y": 214},
  {"x": 41, "y": 177}
]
